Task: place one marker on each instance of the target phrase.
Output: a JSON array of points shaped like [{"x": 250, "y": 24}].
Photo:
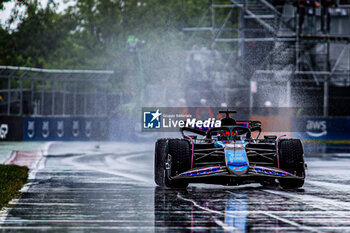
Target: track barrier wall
[
  {"x": 16, "y": 128},
  {"x": 53, "y": 128},
  {"x": 65, "y": 128},
  {"x": 11, "y": 128}
]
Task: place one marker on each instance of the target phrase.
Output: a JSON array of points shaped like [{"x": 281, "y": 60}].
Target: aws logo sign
[{"x": 316, "y": 128}]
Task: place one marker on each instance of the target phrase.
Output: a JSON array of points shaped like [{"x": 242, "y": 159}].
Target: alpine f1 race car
[{"x": 229, "y": 155}]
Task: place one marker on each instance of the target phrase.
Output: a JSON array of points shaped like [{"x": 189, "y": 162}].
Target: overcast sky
[{"x": 6, "y": 12}]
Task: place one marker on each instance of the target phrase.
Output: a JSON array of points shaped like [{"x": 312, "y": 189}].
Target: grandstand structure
[
  {"x": 275, "y": 56},
  {"x": 54, "y": 92}
]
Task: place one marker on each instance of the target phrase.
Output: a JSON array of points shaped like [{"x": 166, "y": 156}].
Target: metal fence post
[
  {"x": 42, "y": 97},
  {"x": 325, "y": 98},
  {"x": 95, "y": 101},
  {"x": 9, "y": 91},
  {"x": 64, "y": 99},
  {"x": 20, "y": 95},
  {"x": 105, "y": 98},
  {"x": 9, "y": 96},
  {"x": 31, "y": 91},
  {"x": 53, "y": 97},
  {"x": 75, "y": 99},
  {"x": 84, "y": 84}
]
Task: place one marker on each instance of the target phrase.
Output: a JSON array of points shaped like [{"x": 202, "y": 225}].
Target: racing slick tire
[
  {"x": 291, "y": 159},
  {"x": 179, "y": 150}
]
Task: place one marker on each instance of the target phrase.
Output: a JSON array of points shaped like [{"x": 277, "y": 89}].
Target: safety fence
[{"x": 51, "y": 92}]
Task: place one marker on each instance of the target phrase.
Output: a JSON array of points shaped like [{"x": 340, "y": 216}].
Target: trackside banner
[
  {"x": 11, "y": 128},
  {"x": 321, "y": 128},
  {"x": 65, "y": 128}
]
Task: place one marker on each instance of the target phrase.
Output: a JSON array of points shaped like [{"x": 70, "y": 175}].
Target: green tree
[
  {"x": 38, "y": 34},
  {"x": 92, "y": 34},
  {"x": 2, "y": 3}
]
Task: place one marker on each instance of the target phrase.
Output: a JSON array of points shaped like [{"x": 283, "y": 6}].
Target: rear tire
[
  {"x": 291, "y": 159},
  {"x": 179, "y": 150},
  {"x": 160, "y": 153}
]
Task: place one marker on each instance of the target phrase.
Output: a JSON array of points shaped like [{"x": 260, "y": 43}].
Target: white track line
[
  {"x": 40, "y": 163},
  {"x": 272, "y": 215},
  {"x": 313, "y": 200},
  {"x": 232, "y": 229},
  {"x": 329, "y": 185},
  {"x": 303, "y": 227},
  {"x": 125, "y": 160},
  {"x": 217, "y": 221},
  {"x": 127, "y": 173}
]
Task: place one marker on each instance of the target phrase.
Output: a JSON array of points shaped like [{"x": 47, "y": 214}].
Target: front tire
[
  {"x": 179, "y": 152},
  {"x": 291, "y": 159}
]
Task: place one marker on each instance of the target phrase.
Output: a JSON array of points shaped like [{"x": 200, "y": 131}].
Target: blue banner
[
  {"x": 65, "y": 128},
  {"x": 321, "y": 128},
  {"x": 11, "y": 128}
]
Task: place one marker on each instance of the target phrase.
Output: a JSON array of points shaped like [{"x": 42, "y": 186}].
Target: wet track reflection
[
  {"x": 249, "y": 209},
  {"x": 109, "y": 188},
  {"x": 200, "y": 209}
]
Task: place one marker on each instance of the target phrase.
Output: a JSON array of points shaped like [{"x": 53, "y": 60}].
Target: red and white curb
[
  {"x": 35, "y": 161},
  {"x": 24, "y": 158}
]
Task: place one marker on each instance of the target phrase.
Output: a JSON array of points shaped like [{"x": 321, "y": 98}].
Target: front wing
[{"x": 222, "y": 171}]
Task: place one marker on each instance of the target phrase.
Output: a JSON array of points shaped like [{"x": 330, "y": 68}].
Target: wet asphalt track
[{"x": 81, "y": 187}]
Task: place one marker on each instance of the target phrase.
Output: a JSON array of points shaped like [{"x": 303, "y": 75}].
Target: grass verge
[{"x": 12, "y": 178}]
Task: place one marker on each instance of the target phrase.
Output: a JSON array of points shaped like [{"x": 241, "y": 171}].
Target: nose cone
[{"x": 236, "y": 159}]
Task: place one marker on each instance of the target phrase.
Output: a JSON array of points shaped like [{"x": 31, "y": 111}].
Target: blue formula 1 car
[{"x": 229, "y": 155}]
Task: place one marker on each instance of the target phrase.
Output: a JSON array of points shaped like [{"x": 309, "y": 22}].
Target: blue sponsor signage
[
  {"x": 321, "y": 128},
  {"x": 65, "y": 128},
  {"x": 11, "y": 128}
]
